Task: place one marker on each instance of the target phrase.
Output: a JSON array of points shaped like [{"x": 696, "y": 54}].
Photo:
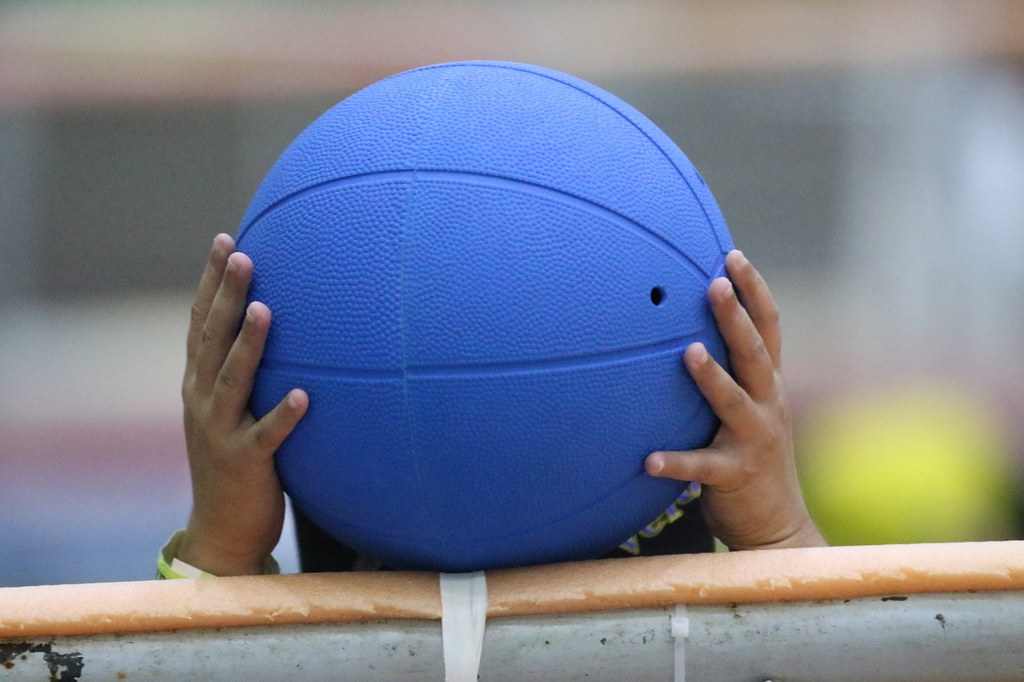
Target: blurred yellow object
[{"x": 908, "y": 464}]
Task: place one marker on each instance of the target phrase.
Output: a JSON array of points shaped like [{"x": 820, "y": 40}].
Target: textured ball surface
[{"x": 485, "y": 275}]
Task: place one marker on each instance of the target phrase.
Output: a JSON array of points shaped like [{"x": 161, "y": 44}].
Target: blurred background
[{"x": 867, "y": 154}]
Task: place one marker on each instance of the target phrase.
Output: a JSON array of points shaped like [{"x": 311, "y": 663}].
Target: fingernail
[
  {"x": 699, "y": 352},
  {"x": 727, "y": 289},
  {"x": 655, "y": 464},
  {"x": 249, "y": 316}
]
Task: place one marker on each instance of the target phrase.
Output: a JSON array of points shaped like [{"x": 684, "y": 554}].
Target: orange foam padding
[{"x": 645, "y": 582}]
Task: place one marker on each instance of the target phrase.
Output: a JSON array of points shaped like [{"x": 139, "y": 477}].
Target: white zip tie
[
  {"x": 463, "y": 617},
  {"x": 680, "y": 632}
]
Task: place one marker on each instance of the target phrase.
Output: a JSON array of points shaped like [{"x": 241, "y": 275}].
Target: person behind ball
[{"x": 745, "y": 490}]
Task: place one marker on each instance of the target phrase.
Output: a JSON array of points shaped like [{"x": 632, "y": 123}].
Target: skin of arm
[{"x": 751, "y": 494}]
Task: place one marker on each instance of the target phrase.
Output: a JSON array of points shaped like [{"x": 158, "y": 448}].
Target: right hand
[{"x": 237, "y": 501}]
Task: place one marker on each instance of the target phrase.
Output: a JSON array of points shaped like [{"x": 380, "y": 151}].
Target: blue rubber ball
[{"x": 485, "y": 275}]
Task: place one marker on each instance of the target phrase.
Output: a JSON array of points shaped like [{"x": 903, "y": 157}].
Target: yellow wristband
[
  {"x": 176, "y": 569},
  {"x": 169, "y": 567}
]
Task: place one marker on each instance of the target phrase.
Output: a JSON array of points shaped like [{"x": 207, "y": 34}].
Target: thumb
[
  {"x": 270, "y": 431},
  {"x": 708, "y": 466}
]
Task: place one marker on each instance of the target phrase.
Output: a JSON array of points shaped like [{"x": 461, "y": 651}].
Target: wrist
[
  {"x": 206, "y": 554},
  {"x": 807, "y": 535},
  {"x": 796, "y": 534},
  {"x": 170, "y": 567}
]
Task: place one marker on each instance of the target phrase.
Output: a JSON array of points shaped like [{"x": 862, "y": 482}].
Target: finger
[
  {"x": 707, "y": 466},
  {"x": 222, "y": 247},
  {"x": 748, "y": 354},
  {"x": 222, "y": 322},
  {"x": 235, "y": 380},
  {"x": 728, "y": 400},
  {"x": 758, "y": 300},
  {"x": 270, "y": 431}
]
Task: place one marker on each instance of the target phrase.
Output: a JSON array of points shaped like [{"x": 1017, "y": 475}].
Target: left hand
[{"x": 751, "y": 494}]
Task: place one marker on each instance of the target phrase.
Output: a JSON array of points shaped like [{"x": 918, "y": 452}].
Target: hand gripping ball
[{"x": 485, "y": 275}]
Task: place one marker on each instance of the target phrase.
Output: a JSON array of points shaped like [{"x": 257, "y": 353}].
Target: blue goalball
[{"x": 484, "y": 274}]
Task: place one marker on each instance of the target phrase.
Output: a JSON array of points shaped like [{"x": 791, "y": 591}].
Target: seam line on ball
[
  {"x": 567, "y": 81},
  {"x": 525, "y": 367},
  {"x": 498, "y": 182}
]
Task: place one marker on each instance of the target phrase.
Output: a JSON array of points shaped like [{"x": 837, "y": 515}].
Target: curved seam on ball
[
  {"x": 553, "y": 194},
  {"x": 554, "y": 76}
]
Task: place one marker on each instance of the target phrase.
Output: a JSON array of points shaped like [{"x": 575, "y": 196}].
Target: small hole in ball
[{"x": 657, "y": 295}]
